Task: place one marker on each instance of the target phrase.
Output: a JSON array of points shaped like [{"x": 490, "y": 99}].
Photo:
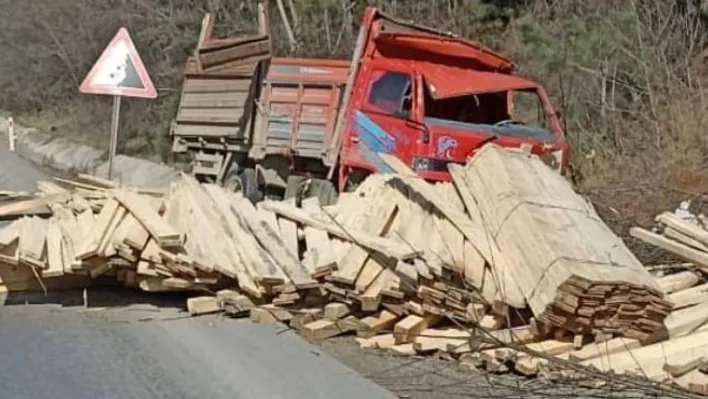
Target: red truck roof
[{"x": 395, "y": 38}]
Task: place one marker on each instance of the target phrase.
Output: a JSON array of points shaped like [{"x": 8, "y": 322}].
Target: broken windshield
[{"x": 517, "y": 113}]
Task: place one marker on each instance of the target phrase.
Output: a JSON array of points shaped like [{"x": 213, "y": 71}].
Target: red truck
[{"x": 274, "y": 126}]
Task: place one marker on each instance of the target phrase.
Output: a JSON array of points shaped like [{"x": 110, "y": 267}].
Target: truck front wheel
[
  {"x": 245, "y": 182},
  {"x": 232, "y": 181},
  {"x": 249, "y": 185},
  {"x": 324, "y": 190}
]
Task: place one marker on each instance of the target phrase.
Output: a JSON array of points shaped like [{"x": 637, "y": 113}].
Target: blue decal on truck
[
  {"x": 375, "y": 139},
  {"x": 376, "y": 161},
  {"x": 373, "y": 135}
]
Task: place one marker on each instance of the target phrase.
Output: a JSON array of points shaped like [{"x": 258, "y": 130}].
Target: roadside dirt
[{"x": 431, "y": 377}]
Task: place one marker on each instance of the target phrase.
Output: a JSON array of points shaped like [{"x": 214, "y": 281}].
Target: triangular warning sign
[{"x": 119, "y": 71}]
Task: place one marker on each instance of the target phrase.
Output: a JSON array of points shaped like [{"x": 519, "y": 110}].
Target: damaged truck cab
[
  {"x": 431, "y": 99},
  {"x": 271, "y": 126}
]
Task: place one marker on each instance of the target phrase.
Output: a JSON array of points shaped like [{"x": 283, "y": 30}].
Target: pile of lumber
[
  {"x": 677, "y": 356},
  {"x": 577, "y": 274},
  {"x": 505, "y": 255},
  {"x": 674, "y": 354},
  {"x": 684, "y": 235}
]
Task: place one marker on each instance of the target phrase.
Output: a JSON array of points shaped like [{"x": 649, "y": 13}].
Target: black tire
[
  {"x": 232, "y": 181},
  {"x": 293, "y": 186},
  {"x": 324, "y": 190},
  {"x": 249, "y": 185}
]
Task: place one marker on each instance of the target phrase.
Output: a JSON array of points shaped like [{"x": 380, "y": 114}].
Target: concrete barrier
[{"x": 67, "y": 156}]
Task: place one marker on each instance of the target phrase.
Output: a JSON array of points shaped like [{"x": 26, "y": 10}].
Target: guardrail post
[{"x": 11, "y": 133}]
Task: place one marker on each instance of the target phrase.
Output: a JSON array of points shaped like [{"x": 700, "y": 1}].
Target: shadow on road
[{"x": 96, "y": 297}]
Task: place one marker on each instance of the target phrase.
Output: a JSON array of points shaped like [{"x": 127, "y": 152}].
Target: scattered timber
[{"x": 403, "y": 264}]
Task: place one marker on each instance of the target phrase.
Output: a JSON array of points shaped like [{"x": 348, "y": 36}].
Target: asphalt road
[
  {"x": 145, "y": 352},
  {"x": 16, "y": 174}
]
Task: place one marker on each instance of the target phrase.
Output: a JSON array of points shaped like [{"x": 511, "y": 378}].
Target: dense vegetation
[{"x": 627, "y": 75}]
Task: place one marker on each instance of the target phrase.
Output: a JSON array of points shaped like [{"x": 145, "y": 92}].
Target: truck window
[
  {"x": 516, "y": 113},
  {"x": 485, "y": 108},
  {"x": 526, "y": 107},
  {"x": 390, "y": 92}
]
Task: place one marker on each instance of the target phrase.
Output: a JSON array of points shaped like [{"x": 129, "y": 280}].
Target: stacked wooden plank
[
  {"x": 576, "y": 274},
  {"x": 680, "y": 357},
  {"x": 459, "y": 251},
  {"x": 404, "y": 264},
  {"x": 684, "y": 358},
  {"x": 194, "y": 236},
  {"x": 546, "y": 246},
  {"x": 685, "y": 237},
  {"x": 78, "y": 242},
  {"x": 390, "y": 297}
]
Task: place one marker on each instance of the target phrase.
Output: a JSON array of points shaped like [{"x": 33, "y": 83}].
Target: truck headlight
[{"x": 420, "y": 163}]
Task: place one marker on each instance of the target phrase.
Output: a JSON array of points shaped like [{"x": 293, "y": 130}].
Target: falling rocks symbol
[
  {"x": 130, "y": 76},
  {"x": 119, "y": 71}
]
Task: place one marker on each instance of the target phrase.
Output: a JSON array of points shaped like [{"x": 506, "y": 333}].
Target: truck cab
[{"x": 432, "y": 99}]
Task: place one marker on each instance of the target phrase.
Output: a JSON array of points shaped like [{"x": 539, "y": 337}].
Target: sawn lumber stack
[
  {"x": 573, "y": 271},
  {"x": 508, "y": 246},
  {"x": 509, "y": 232}
]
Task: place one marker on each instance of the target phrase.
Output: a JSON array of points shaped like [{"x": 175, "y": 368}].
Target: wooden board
[
  {"x": 354, "y": 259},
  {"x": 678, "y": 281},
  {"x": 32, "y": 242},
  {"x": 688, "y": 297},
  {"x": 158, "y": 228},
  {"x": 99, "y": 230},
  {"x": 71, "y": 238},
  {"x": 55, "y": 260},
  {"x": 288, "y": 232},
  {"x": 258, "y": 263},
  {"x": 136, "y": 236},
  {"x": 386, "y": 246},
  {"x": 275, "y": 246},
  {"x": 30, "y": 205},
  {"x": 319, "y": 256},
  {"x": 10, "y": 234}
]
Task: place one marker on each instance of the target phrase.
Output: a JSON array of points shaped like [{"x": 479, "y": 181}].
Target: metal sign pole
[{"x": 114, "y": 135}]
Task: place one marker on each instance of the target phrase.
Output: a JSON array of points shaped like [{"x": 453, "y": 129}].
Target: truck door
[{"x": 384, "y": 122}]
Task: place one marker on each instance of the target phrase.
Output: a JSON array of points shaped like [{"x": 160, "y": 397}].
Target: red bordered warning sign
[{"x": 119, "y": 71}]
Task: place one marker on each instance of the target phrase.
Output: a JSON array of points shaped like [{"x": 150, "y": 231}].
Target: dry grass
[{"x": 628, "y": 77}]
